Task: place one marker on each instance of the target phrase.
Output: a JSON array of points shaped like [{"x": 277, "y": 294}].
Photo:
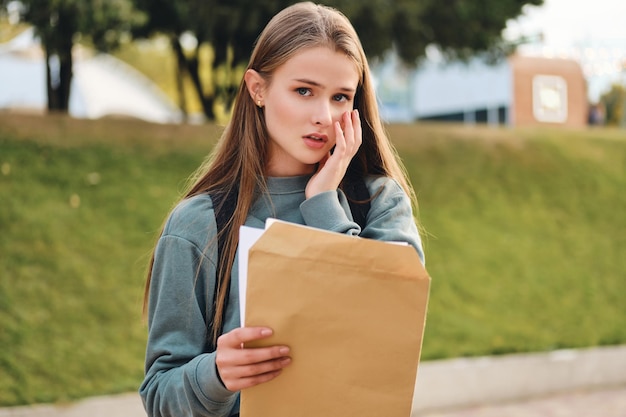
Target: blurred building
[
  {"x": 102, "y": 85},
  {"x": 518, "y": 91},
  {"x": 548, "y": 90}
]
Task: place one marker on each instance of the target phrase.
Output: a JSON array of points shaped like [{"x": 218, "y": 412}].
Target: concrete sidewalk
[
  {"x": 568, "y": 383},
  {"x": 466, "y": 382},
  {"x": 607, "y": 402}
]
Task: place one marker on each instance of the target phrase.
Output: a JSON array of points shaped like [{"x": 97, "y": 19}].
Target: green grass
[
  {"x": 526, "y": 242},
  {"x": 528, "y": 237},
  {"x": 81, "y": 205}
]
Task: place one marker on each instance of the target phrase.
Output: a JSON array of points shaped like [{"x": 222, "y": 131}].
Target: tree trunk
[
  {"x": 59, "y": 78},
  {"x": 58, "y": 42},
  {"x": 180, "y": 72},
  {"x": 191, "y": 65}
]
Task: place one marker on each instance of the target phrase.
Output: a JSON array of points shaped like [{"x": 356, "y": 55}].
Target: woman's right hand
[{"x": 241, "y": 367}]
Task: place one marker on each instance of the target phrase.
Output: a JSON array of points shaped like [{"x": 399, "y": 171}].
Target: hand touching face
[
  {"x": 308, "y": 110},
  {"x": 332, "y": 167}
]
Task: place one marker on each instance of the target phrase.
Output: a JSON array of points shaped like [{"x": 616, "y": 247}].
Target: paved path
[
  {"x": 569, "y": 383},
  {"x": 607, "y": 402},
  {"x": 462, "y": 382},
  {"x": 125, "y": 405}
]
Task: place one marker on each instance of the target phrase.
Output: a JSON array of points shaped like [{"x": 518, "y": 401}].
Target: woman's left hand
[{"x": 332, "y": 168}]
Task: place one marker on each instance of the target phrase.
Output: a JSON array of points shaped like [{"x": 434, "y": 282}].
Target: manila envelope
[{"x": 352, "y": 311}]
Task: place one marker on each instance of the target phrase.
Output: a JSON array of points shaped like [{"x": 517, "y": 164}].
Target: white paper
[{"x": 247, "y": 237}]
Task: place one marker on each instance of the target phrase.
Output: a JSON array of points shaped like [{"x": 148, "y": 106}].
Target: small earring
[{"x": 258, "y": 103}]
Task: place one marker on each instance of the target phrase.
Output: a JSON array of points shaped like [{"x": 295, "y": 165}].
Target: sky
[{"x": 593, "y": 32}]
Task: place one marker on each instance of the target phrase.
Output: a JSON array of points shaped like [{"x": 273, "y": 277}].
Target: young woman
[{"x": 305, "y": 124}]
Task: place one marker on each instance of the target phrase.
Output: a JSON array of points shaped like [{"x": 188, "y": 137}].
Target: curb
[
  {"x": 465, "y": 382},
  {"x": 442, "y": 384}
]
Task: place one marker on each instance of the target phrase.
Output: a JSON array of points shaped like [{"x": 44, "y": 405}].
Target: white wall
[{"x": 458, "y": 87}]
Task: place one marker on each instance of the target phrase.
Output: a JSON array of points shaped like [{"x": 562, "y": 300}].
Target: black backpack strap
[
  {"x": 358, "y": 198},
  {"x": 224, "y": 207}
]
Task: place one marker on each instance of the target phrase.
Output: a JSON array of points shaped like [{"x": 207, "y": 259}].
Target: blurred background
[
  {"x": 508, "y": 114},
  {"x": 169, "y": 62}
]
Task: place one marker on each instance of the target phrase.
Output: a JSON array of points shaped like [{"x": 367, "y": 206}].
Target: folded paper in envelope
[{"x": 352, "y": 311}]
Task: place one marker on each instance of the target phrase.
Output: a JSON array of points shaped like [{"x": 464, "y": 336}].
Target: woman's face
[{"x": 307, "y": 95}]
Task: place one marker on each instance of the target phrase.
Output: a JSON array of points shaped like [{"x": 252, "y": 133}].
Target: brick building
[{"x": 546, "y": 90}]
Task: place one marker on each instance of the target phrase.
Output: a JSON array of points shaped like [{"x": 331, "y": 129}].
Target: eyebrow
[{"x": 316, "y": 84}]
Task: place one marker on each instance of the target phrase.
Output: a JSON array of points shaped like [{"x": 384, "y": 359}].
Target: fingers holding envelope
[{"x": 241, "y": 367}]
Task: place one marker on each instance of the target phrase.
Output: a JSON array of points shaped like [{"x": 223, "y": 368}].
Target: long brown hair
[{"x": 238, "y": 161}]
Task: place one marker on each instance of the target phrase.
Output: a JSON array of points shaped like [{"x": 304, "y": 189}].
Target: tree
[
  {"x": 60, "y": 23},
  {"x": 614, "y": 101},
  {"x": 459, "y": 28},
  {"x": 228, "y": 26}
]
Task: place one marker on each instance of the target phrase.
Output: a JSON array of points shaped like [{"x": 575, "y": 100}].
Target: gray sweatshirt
[{"x": 180, "y": 374}]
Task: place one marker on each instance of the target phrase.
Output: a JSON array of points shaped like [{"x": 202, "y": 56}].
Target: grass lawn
[{"x": 525, "y": 241}]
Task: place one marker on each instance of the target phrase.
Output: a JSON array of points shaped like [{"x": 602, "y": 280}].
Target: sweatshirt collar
[{"x": 283, "y": 185}]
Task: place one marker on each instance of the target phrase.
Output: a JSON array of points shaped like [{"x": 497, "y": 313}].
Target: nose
[{"x": 322, "y": 114}]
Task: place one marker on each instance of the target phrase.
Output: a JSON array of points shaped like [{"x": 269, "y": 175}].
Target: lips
[
  {"x": 318, "y": 137},
  {"x": 315, "y": 140}
]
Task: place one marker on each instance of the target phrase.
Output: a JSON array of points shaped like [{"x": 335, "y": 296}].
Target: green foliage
[
  {"x": 103, "y": 22},
  {"x": 525, "y": 242},
  {"x": 59, "y": 23},
  {"x": 460, "y": 28},
  {"x": 614, "y": 102},
  {"x": 9, "y": 31},
  {"x": 229, "y": 27},
  {"x": 154, "y": 60}
]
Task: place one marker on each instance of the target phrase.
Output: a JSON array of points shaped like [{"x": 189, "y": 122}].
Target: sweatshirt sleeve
[
  {"x": 390, "y": 217},
  {"x": 180, "y": 374}
]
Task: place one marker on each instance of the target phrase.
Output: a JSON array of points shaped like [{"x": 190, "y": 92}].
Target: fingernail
[
  {"x": 285, "y": 361},
  {"x": 266, "y": 332},
  {"x": 284, "y": 350}
]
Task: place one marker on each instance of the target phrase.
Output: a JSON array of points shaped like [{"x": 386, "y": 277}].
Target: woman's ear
[{"x": 255, "y": 85}]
